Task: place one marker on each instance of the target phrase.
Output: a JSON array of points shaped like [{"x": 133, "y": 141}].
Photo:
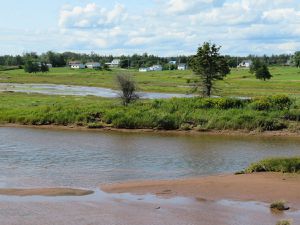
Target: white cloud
[
  {"x": 171, "y": 27},
  {"x": 91, "y": 16}
]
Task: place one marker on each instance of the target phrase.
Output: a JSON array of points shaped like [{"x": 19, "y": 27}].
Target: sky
[{"x": 160, "y": 27}]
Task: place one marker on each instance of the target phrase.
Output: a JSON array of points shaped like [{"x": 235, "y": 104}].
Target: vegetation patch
[
  {"x": 279, "y": 205},
  {"x": 284, "y": 165},
  {"x": 199, "y": 114}
]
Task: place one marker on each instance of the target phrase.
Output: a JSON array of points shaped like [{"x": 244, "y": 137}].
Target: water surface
[
  {"x": 51, "y": 158},
  {"x": 55, "y": 89}
]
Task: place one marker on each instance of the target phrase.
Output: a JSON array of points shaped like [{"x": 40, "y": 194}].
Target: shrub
[
  {"x": 261, "y": 104},
  {"x": 283, "y": 222},
  {"x": 279, "y": 205},
  {"x": 281, "y": 102},
  {"x": 277, "y": 102},
  {"x": 293, "y": 115},
  {"x": 285, "y": 165},
  {"x": 167, "y": 122},
  {"x": 228, "y": 103},
  {"x": 268, "y": 124}
]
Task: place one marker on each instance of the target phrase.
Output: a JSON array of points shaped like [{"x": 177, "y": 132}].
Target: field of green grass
[
  {"x": 286, "y": 80},
  {"x": 200, "y": 114}
]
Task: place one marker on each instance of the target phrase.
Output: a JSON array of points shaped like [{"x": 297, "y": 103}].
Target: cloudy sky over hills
[{"x": 163, "y": 27}]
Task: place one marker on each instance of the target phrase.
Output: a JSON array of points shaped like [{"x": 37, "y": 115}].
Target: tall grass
[
  {"x": 172, "y": 114},
  {"x": 285, "y": 165}
]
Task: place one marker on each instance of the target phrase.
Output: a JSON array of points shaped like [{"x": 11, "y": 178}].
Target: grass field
[{"x": 286, "y": 80}]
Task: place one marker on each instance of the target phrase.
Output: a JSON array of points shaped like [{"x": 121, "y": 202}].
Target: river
[{"x": 51, "y": 158}]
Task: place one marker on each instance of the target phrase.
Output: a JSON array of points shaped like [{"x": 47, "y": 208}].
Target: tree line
[{"x": 136, "y": 60}]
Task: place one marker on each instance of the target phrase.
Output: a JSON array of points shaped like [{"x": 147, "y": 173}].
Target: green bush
[
  {"x": 293, "y": 115},
  {"x": 277, "y": 102},
  {"x": 167, "y": 122},
  {"x": 285, "y": 165}
]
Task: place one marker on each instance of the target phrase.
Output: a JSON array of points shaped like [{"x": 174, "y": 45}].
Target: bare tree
[{"x": 127, "y": 87}]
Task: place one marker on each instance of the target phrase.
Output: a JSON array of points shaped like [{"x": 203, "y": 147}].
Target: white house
[
  {"x": 156, "y": 68},
  {"x": 114, "y": 63},
  {"x": 182, "y": 66},
  {"x": 93, "y": 65},
  {"x": 245, "y": 64},
  {"x": 173, "y": 62},
  {"x": 49, "y": 65},
  {"x": 78, "y": 66},
  {"x": 144, "y": 69}
]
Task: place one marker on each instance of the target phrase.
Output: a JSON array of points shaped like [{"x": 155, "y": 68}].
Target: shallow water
[
  {"x": 54, "y": 89},
  {"x": 52, "y": 158}
]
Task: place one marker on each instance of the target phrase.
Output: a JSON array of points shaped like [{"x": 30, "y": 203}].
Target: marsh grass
[
  {"x": 284, "y": 165},
  {"x": 199, "y": 114}
]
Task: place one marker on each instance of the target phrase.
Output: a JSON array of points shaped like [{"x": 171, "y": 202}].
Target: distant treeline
[{"x": 133, "y": 61}]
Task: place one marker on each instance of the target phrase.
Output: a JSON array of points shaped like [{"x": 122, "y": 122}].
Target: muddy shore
[
  {"x": 262, "y": 187},
  {"x": 282, "y": 133}
]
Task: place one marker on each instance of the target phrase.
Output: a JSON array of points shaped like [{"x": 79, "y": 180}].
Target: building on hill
[
  {"x": 93, "y": 65},
  {"x": 114, "y": 63},
  {"x": 182, "y": 66},
  {"x": 245, "y": 64}
]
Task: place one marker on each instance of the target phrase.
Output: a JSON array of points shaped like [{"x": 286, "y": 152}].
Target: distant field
[{"x": 240, "y": 82}]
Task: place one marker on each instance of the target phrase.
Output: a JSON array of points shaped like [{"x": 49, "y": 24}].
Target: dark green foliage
[
  {"x": 284, "y": 165},
  {"x": 256, "y": 64},
  {"x": 293, "y": 115},
  {"x": 31, "y": 67},
  {"x": 210, "y": 66},
  {"x": 296, "y": 59},
  {"x": 263, "y": 73},
  {"x": 44, "y": 68}
]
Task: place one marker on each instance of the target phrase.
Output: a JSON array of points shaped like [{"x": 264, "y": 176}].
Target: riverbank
[
  {"x": 260, "y": 187},
  {"x": 257, "y": 133},
  {"x": 266, "y": 114}
]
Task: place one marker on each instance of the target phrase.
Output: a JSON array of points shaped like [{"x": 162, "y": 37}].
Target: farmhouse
[
  {"x": 156, "y": 68},
  {"x": 144, "y": 69},
  {"x": 93, "y": 65},
  {"x": 76, "y": 65},
  {"x": 245, "y": 64},
  {"x": 114, "y": 63},
  {"x": 182, "y": 66},
  {"x": 172, "y": 62}
]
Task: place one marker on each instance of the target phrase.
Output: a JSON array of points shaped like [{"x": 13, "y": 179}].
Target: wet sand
[
  {"x": 222, "y": 200},
  {"x": 261, "y": 187},
  {"x": 45, "y": 192}
]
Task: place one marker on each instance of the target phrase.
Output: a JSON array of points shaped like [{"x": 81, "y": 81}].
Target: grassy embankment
[
  {"x": 284, "y": 165},
  {"x": 286, "y": 80},
  {"x": 263, "y": 114}
]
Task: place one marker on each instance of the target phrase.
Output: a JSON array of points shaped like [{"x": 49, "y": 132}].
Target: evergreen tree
[{"x": 210, "y": 66}]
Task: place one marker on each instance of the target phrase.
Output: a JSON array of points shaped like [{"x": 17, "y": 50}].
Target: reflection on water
[
  {"x": 54, "y": 89},
  {"x": 42, "y": 158}
]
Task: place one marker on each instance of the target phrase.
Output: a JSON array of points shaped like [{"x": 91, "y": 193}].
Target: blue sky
[{"x": 162, "y": 27}]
